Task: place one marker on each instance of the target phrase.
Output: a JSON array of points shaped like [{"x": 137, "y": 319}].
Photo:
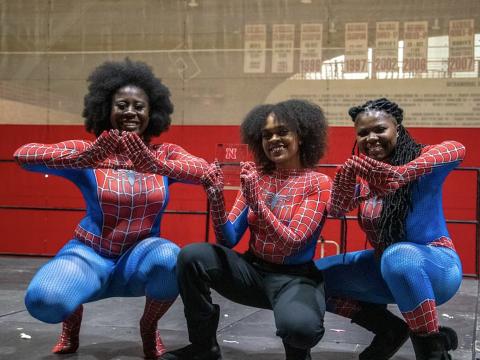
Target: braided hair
[{"x": 396, "y": 205}]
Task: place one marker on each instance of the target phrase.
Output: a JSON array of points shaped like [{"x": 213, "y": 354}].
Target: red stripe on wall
[{"x": 44, "y": 232}]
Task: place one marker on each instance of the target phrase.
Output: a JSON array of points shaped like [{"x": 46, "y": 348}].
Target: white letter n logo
[{"x": 231, "y": 153}]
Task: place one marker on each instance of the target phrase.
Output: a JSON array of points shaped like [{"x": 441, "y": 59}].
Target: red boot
[
  {"x": 69, "y": 341},
  {"x": 152, "y": 342}
]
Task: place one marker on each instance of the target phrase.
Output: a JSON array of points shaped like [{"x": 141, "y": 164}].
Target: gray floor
[{"x": 110, "y": 327}]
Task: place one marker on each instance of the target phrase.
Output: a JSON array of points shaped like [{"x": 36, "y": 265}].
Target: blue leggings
[
  {"x": 407, "y": 274},
  {"x": 77, "y": 275}
]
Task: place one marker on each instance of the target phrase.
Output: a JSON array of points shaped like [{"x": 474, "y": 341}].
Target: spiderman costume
[
  {"x": 284, "y": 207},
  {"x": 285, "y": 217},
  {"x": 115, "y": 250},
  {"x": 418, "y": 272},
  {"x": 285, "y": 211}
]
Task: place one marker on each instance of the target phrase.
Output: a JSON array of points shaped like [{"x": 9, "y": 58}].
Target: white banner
[
  {"x": 461, "y": 45},
  {"x": 386, "y": 47},
  {"x": 415, "y": 46},
  {"x": 311, "y": 48},
  {"x": 255, "y": 44},
  {"x": 283, "y": 36},
  {"x": 426, "y": 102},
  {"x": 356, "y": 47}
]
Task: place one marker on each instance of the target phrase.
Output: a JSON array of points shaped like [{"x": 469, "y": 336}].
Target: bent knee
[
  {"x": 157, "y": 255},
  {"x": 302, "y": 335},
  {"x": 169, "y": 255},
  {"x": 193, "y": 253},
  {"x": 170, "y": 249},
  {"x": 167, "y": 248},
  {"x": 400, "y": 260},
  {"x": 48, "y": 308}
]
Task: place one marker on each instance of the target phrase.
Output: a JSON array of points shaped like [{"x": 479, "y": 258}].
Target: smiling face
[
  {"x": 130, "y": 110},
  {"x": 280, "y": 144},
  {"x": 376, "y": 134}
]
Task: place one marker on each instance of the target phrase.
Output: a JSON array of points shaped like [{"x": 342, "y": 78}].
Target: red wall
[{"x": 43, "y": 232}]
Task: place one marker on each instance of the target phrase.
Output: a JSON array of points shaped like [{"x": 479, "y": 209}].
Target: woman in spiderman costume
[
  {"x": 115, "y": 250},
  {"x": 283, "y": 203},
  {"x": 396, "y": 183}
]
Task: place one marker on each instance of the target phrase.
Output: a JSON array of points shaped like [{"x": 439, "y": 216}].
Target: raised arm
[
  {"x": 307, "y": 218},
  {"x": 389, "y": 178},
  {"x": 228, "y": 229},
  {"x": 167, "y": 159},
  {"x": 72, "y": 154}
]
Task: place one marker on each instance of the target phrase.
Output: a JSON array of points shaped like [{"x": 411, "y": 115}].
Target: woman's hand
[
  {"x": 212, "y": 179},
  {"x": 249, "y": 183},
  {"x": 109, "y": 141},
  {"x": 382, "y": 177},
  {"x": 138, "y": 152},
  {"x": 132, "y": 144}
]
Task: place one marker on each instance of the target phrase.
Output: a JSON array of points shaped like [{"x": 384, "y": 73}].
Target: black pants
[{"x": 294, "y": 293}]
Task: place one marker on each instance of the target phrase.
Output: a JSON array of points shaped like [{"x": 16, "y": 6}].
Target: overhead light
[
  {"x": 192, "y": 3},
  {"x": 306, "y": 1},
  {"x": 436, "y": 24},
  {"x": 331, "y": 27}
]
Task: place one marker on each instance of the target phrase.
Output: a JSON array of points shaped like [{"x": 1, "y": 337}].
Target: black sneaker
[
  {"x": 194, "y": 352},
  {"x": 292, "y": 353}
]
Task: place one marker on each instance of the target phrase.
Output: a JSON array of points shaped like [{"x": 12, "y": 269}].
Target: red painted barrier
[{"x": 43, "y": 232}]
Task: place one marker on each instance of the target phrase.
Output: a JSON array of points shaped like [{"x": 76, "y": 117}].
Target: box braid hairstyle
[
  {"x": 110, "y": 76},
  {"x": 396, "y": 205},
  {"x": 302, "y": 117}
]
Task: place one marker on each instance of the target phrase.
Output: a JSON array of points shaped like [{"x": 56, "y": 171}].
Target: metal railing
[
  {"x": 476, "y": 222},
  {"x": 343, "y": 220}
]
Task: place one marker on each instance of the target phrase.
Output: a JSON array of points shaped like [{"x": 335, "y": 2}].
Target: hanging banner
[
  {"x": 356, "y": 47},
  {"x": 386, "y": 47},
  {"x": 426, "y": 102},
  {"x": 311, "y": 48},
  {"x": 415, "y": 46},
  {"x": 255, "y": 44},
  {"x": 461, "y": 45},
  {"x": 283, "y": 36}
]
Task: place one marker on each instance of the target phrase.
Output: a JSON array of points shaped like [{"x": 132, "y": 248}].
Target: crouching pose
[
  {"x": 396, "y": 183},
  {"x": 283, "y": 203},
  {"x": 116, "y": 249}
]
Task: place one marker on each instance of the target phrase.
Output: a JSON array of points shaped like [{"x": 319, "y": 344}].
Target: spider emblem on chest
[{"x": 275, "y": 201}]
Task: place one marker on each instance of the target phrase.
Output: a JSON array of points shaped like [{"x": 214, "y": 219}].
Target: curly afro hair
[
  {"x": 304, "y": 118},
  {"x": 110, "y": 76}
]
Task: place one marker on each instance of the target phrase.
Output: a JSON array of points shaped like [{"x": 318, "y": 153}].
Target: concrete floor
[{"x": 110, "y": 327}]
